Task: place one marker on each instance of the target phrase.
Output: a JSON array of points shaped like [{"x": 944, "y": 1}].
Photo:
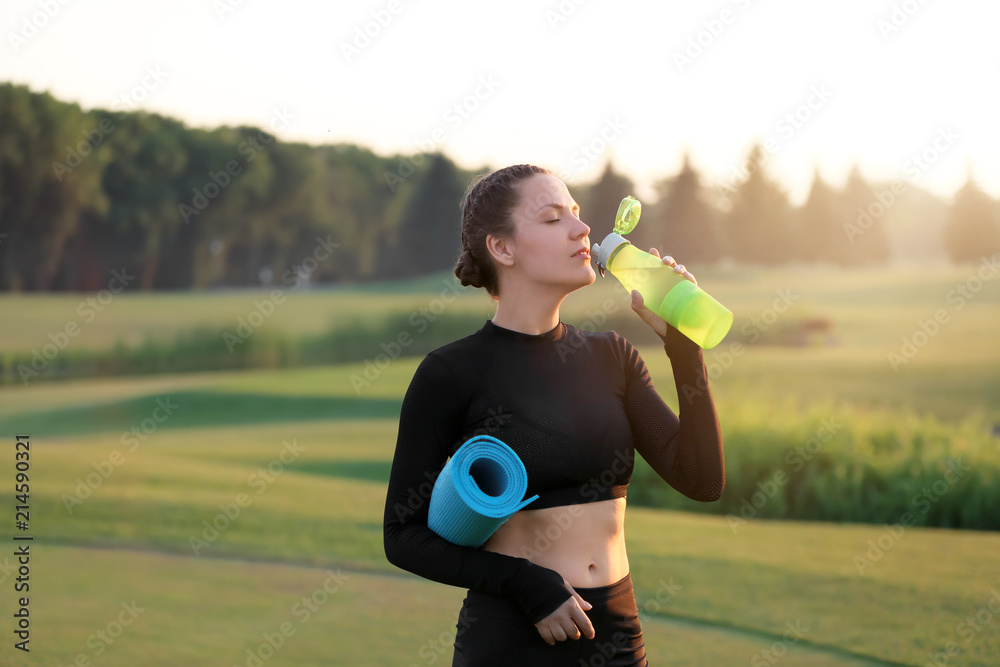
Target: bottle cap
[
  {"x": 602, "y": 252},
  {"x": 628, "y": 214}
]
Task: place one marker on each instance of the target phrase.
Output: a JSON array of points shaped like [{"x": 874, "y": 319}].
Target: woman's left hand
[{"x": 658, "y": 324}]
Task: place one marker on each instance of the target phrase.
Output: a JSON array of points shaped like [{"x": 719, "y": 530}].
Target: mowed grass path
[{"x": 708, "y": 596}]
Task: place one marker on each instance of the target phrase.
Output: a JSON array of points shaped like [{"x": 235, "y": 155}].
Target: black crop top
[{"x": 575, "y": 406}]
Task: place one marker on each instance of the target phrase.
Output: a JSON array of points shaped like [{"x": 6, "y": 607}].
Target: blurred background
[{"x": 227, "y": 235}]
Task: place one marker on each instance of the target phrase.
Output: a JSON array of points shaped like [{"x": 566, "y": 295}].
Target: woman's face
[{"x": 551, "y": 243}]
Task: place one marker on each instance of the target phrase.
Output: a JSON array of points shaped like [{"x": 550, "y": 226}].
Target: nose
[{"x": 583, "y": 230}]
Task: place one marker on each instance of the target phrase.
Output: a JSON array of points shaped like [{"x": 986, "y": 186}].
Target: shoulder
[
  {"x": 452, "y": 360},
  {"x": 459, "y": 350},
  {"x": 605, "y": 343}
]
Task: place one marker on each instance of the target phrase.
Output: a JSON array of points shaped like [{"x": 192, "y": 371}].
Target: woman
[{"x": 552, "y": 586}]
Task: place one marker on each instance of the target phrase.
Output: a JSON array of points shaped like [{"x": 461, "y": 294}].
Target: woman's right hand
[{"x": 567, "y": 621}]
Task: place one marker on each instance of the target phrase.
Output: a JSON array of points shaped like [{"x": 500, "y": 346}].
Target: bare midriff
[{"x": 585, "y": 543}]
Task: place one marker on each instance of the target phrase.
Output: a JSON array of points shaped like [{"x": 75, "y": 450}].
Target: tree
[
  {"x": 681, "y": 223},
  {"x": 43, "y": 187},
  {"x": 429, "y": 237},
  {"x": 864, "y": 218},
  {"x": 602, "y": 202},
  {"x": 820, "y": 228},
  {"x": 973, "y": 227},
  {"x": 758, "y": 224}
]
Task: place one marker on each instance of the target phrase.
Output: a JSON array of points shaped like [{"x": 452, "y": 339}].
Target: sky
[{"x": 906, "y": 90}]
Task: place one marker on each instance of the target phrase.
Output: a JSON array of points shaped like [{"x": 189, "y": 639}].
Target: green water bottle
[{"x": 687, "y": 307}]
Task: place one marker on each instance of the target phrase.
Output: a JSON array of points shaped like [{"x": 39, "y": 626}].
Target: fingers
[
  {"x": 684, "y": 272},
  {"x": 666, "y": 260},
  {"x": 637, "y": 300},
  {"x": 582, "y": 622},
  {"x": 567, "y": 622},
  {"x": 678, "y": 268}
]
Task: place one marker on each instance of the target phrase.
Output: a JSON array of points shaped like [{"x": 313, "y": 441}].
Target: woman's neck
[{"x": 533, "y": 316}]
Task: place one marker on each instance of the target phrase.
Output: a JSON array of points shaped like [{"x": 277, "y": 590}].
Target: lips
[{"x": 582, "y": 252}]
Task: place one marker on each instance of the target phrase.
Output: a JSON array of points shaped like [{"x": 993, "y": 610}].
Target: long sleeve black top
[{"x": 575, "y": 406}]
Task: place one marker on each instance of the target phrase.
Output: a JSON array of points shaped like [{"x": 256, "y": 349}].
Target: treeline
[
  {"x": 85, "y": 193},
  {"x": 749, "y": 219}
]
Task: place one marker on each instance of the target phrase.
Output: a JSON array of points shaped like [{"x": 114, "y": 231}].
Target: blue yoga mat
[{"x": 480, "y": 487}]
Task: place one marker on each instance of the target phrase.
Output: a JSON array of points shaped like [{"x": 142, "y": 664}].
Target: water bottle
[{"x": 680, "y": 302}]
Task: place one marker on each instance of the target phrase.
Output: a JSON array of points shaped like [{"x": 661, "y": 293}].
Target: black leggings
[{"x": 493, "y": 631}]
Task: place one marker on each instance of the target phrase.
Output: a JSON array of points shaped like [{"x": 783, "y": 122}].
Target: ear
[{"x": 501, "y": 249}]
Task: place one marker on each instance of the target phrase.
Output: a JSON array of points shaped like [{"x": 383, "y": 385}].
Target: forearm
[
  {"x": 699, "y": 460},
  {"x": 415, "y": 548}
]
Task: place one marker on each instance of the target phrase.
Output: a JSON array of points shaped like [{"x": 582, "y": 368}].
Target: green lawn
[
  {"x": 134, "y": 537},
  {"x": 872, "y": 311},
  {"x": 120, "y": 516}
]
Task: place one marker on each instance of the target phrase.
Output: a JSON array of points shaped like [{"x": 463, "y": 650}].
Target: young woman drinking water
[{"x": 552, "y": 586}]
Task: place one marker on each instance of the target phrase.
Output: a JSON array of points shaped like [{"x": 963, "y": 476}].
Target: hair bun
[{"x": 467, "y": 270}]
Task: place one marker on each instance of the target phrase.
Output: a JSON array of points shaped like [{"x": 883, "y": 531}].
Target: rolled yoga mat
[{"x": 479, "y": 488}]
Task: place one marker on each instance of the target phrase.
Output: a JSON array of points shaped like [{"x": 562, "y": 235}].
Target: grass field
[
  {"x": 301, "y": 566},
  {"x": 874, "y": 313}
]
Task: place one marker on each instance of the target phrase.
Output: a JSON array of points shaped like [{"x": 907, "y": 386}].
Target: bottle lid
[
  {"x": 602, "y": 252},
  {"x": 627, "y": 218}
]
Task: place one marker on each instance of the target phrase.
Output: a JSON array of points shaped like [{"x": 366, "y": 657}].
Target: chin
[{"x": 585, "y": 281}]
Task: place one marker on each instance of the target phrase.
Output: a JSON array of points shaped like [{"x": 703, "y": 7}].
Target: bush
[{"x": 838, "y": 463}]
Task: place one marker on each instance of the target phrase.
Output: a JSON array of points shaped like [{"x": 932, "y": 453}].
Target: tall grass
[
  {"x": 208, "y": 348},
  {"x": 829, "y": 462}
]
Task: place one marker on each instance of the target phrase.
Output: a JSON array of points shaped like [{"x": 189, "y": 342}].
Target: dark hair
[{"x": 486, "y": 210}]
